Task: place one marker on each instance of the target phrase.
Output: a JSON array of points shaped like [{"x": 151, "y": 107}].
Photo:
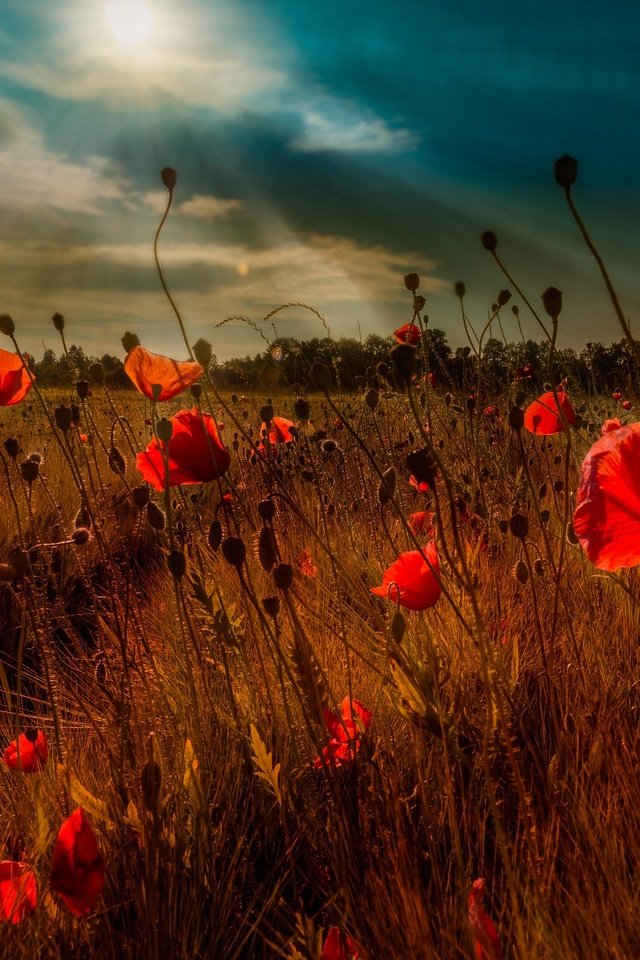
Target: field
[{"x": 272, "y": 760}]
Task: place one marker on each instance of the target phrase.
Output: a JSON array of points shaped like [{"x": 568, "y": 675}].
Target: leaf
[
  {"x": 90, "y": 804},
  {"x": 42, "y": 823},
  {"x": 191, "y": 779},
  {"x": 266, "y": 771},
  {"x": 5, "y": 686}
]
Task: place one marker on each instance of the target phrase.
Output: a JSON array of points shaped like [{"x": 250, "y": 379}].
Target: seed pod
[
  {"x": 12, "y": 446},
  {"x": 177, "y": 564},
  {"x": 301, "y": 409},
  {"x": 503, "y": 526},
  {"x": 272, "y": 606},
  {"x": 150, "y": 782},
  {"x": 545, "y": 515},
  {"x": 542, "y": 491},
  {"x": 129, "y": 341},
  {"x": 412, "y": 282},
  {"x": 267, "y": 550},
  {"x": 82, "y": 389},
  {"x": 519, "y": 526},
  {"x": 422, "y": 465},
  {"x": 565, "y": 171},
  {"x": 404, "y": 358},
  {"x": 58, "y": 321},
  {"x": 29, "y": 471},
  {"x": 489, "y": 240},
  {"x": 19, "y": 562},
  {"x": 267, "y": 413},
  {"x": 571, "y": 535},
  {"x": 398, "y": 626},
  {"x": 80, "y": 536},
  {"x": 267, "y": 509},
  {"x": 328, "y": 446},
  {"x": 283, "y": 575},
  {"x": 558, "y": 486},
  {"x": 503, "y": 298},
  {"x": 169, "y": 178},
  {"x": 63, "y": 416},
  {"x": 387, "y": 486},
  {"x": 7, "y": 326},
  {"x": 552, "y": 302},
  {"x": 83, "y": 518},
  {"x": 215, "y": 535},
  {"x": 521, "y": 572},
  {"x": 140, "y": 496},
  {"x": 117, "y": 463},
  {"x": 538, "y": 566},
  {"x": 321, "y": 377},
  {"x": 371, "y": 398},
  {"x": 516, "y": 418},
  {"x": 164, "y": 429},
  {"x": 155, "y": 517},
  {"x": 203, "y": 352},
  {"x": 196, "y": 391},
  {"x": 96, "y": 372},
  {"x": 234, "y": 551},
  {"x": 460, "y": 289}
]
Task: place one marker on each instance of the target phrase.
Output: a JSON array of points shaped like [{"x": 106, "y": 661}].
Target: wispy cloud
[
  {"x": 200, "y": 206},
  {"x": 346, "y": 127}
]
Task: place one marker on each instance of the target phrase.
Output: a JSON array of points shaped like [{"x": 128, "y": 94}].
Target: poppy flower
[
  {"x": 407, "y": 333},
  {"x": 18, "y": 894},
  {"x": 610, "y": 425},
  {"x": 148, "y": 370},
  {"x": 607, "y": 516},
  {"x": 196, "y": 454},
  {"x": 421, "y": 487},
  {"x": 616, "y": 395},
  {"x": 485, "y": 934},
  {"x": 421, "y": 521},
  {"x": 626, "y": 404},
  {"x": 15, "y": 382},
  {"x": 543, "y": 415},
  {"x": 77, "y": 866},
  {"x": 28, "y": 753},
  {"x": 279, "y": 430},
  {"x": 346, "y": 733},
  {"x": 340, "y": 946},
  {"x": 306, "y": 566},
  {"x": 417, "y": 581}
]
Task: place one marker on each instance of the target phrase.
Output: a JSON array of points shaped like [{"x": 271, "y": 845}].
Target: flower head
[
  {"x": 543, "y": 415},
  {"x": 15, "y": 381},
  {"x": 77, "y": 866},
  {"x": 28, "y": 753},
  {"x": 407, "y": 333},
  {"x": 340, "y": 946},
  {"x": 485, "y": 934},
  {"x": 160, "y": 378},
  {"x": 195, "y": 452},
  {"x": 346, "y": 732},
  {"x": 279, "y": 430},
  {"x": 18, "y": 894},
  {"x": 413, "y": 580}
]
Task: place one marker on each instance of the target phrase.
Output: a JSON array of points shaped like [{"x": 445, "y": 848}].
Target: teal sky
[{"x": 323, "y": 151}]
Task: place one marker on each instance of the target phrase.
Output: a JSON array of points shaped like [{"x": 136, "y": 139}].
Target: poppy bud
[
  {"x": 150, "y": 781},
  {"x": 387, "y": 486},
  {"x": 420, "y": 302},
  {"x": 398, "y": 626},
  {"x": 460, "y": 289},
  {"x": 489, "y": 240},
  {"x": 321, "y": 377},
  {"x": 12, "y": 446},
  {"x": 519, "y": 526},
  {"x": 566, "y": 171},
  {"x": 301, "y": 409},
  {"x": 422, "y": 465},
  {"x": 164, "y": 429},
  {"x": 80, "y": 536},
  {"x": 267, "y": 550},
  {"x": 267, "y": 509},
  {"x": 558, "y": 486},
  {"x": 521, "y": 571},
  {"x": 96, "y": 372},
  {"x": 82, "y": 389},
  {"x": 196, "y": 391},
  {"x": 271, "y": 606},
  {"x": 503, "y": 298},
  {"x": 283, "y": 576},
  {"x": 19, "y": 562},
  {"x": 58, "y": 321},
  {"x": 545, "y": 515},
  {"x": 155, "y": 517},
  {"x": 129, "y": 341},
  {"x": 266, "y": 413},
  {"x": 503, "y": 526},
  {"x": 519, "y": 398},
  {"x": 203, "y": 352},
  {"x": 215, "y": 535},
  {"x": 538, "y": 566},
  {"x": 412, "y": 282},
  {"x": 7, "y": 326},
  {"x": 169, "y": 178},
  {"x": 542, "y": 491},
  {"x": 177, "y": 564},
  {"x": 516, "y": 418},
  {"x": 29, "y": 471},
  {"x": 571, "y": 535},
  {"x": 140, "y": 496},
  {"x": 552, "y": 302},
  {"x": 328, "y": 446},
  {"x": 117, "y": 463},
  {"x": 371, "y": 398},
  {"x": 403, "y": 358},
  {"x": 234, "y": 551}
]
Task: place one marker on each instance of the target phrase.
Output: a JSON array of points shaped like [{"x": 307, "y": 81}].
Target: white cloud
[
  {"x": 199, "y": 206},
  {"x": 345, "y": 126}
]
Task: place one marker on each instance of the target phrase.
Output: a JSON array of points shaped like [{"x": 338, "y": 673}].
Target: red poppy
[
  {"x": 431, "y": 379},
  {"x": 77, "y": 866},
  {"x": 279, "y": 430},
  {"x": 421, "y": 521},
  {"x": 148, "y": 370},
  {"x": 306, "y": 566},
  {"x": 407, "y": 333},
  {"x": 485, "y": 934},
  {"x": 346, "y": 733},
  {"x": 422, "y": 487},
  {"x": 543, "y": 415},
  {"x": 340, "y": 946},
  {"x": 616, "y": 395},
  {"x": 417, "y": 581},
  {"x": 626, "y": 404},
  {"x": 15, "y": 382},
  {"x": 610, "y": 425},
  {"x": 28, "y": 753},
  {"x": 18, "y": 894},
  {"x": 196, "y": 454},
  {"x": 525, "y": 372},
  {"x": 607, "y": 516}
]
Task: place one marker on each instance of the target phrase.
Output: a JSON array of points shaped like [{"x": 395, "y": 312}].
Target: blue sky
[{"x": 323, "y": 151}]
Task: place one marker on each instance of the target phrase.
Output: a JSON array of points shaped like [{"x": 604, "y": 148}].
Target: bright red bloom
[
  {"x": 83, "y": 438},
  {"x": 485, "y": 934},
  {"x": 15, "y": 382},
  {"x": 77, "y": 866},
  {"x": 607, "y": 516},
  {"x": 626, "y": 404},
  {"x": 18, "y": 894},
  {"x": 306, "y": 566},
  {"x": 407, "y": 333},
  {"x": 616, "y": 395},
  {"x": 33, "y": 751},
  {"x": 340, "y": 946},
  {"x": 417, "y": 581},
  {"x": 422, "y": 487},
  {"x": 610, "y": 425},
  {"x": 421, "y": 521},
  {"x": 146, "y": 370},
  {"x": 279, "y": 430},
  {"x": 543, "y": 415},
  {"x": 196, "y": 453},
  {"x": 345, "y": 733}
]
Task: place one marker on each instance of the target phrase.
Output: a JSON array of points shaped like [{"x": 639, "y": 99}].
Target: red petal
[
  {"x": 31, "y": 756},
  {"x": 18, "y": 893},
  {"x": 196, "y": 454},
  {"x": 146, "y": 369},
  {"x": 77, "y": 866},
  {"x": 417, "y": 581},
  {"x": 15, "y": 382},
  {"x": 543, "y": 415}
]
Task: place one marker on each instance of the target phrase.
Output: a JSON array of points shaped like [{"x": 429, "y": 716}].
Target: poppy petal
[
  {"x": 543, "y": 415},
  {"x": 18, "y": 893},
  {"x": 148, "y": 370},
  {"x": 77, "y": 866},
  {"x": 15, "y": 381}
]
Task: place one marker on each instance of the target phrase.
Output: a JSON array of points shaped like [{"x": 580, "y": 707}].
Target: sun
[{"x": 130, "y": 21}]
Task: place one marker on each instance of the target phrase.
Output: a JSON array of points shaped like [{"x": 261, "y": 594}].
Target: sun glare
[{"x": 130, "y": 21}]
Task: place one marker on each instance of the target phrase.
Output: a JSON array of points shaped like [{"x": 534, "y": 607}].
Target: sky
[{"x": 323, "y": 151}]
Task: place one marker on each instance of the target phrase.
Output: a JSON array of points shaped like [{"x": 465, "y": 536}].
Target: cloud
[
  {"x": 346, "y": 127},
  {"x": 200, "y": 206}
]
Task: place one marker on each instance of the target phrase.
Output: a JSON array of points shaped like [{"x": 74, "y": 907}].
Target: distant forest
[{"x": 286, "y": 362}]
